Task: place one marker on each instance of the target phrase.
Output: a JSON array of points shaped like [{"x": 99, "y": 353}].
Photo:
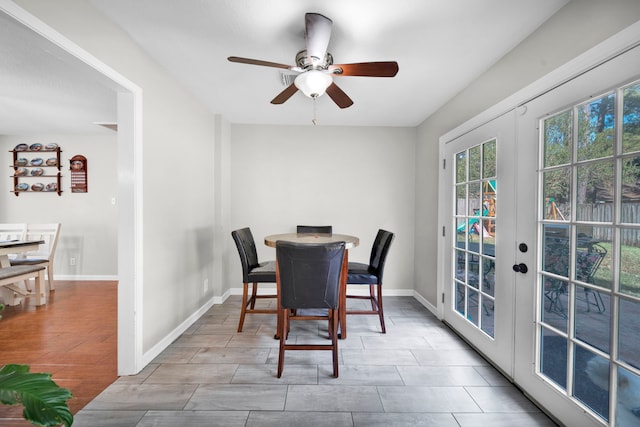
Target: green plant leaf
[{"x": 44, "y": 402}]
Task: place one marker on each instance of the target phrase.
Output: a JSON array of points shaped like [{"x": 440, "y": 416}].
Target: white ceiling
[
  {"x": 440, "y": 46},
  {"x": 44, "y": 90}
]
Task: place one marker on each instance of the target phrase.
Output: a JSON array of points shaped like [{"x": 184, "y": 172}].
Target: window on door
[
  {"x": 589, "y": 235},
  {"x": 474, "y": 249}
]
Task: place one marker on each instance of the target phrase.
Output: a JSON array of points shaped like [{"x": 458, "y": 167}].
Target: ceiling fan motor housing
[{"x": 311, "y": 63}]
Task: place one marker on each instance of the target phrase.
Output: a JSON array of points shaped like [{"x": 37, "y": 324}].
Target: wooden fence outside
[{"x": 603, "y": 212}]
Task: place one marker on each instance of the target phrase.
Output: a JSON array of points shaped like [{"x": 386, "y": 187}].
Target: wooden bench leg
[
  {"x": 41, "y": 298},
  {"x": 10, "y": 296},
  {"x": 11, "y": 280}
]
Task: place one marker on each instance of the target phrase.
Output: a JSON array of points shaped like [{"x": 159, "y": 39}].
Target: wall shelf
[{"x": 32, "y": 166}]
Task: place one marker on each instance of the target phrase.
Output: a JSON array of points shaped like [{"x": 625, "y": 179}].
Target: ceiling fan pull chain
[{"x": 314, "y": 121}]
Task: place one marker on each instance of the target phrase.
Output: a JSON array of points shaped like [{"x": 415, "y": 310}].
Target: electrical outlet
[
  {"x": 72, "y": 261},
  {"x": 205, "y": 285}
]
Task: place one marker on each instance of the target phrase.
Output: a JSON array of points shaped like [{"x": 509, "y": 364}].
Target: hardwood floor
[{"x": 73, "y": 337}]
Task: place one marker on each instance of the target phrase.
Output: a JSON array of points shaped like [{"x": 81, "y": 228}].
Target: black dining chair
[
  {"x": 308, "y": 277},
  {"x": 371, "y": 274},
  {"x": 326, "y": 229},
  {"x": 253, "y": 272}
]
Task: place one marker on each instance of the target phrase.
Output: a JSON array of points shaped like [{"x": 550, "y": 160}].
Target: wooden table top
[
  {"x": 19, "y": 243},
  {"x": 350, "y": 241}
]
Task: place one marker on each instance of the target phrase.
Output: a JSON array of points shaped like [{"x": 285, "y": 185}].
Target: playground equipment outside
[{"x": 488, "y": 212}]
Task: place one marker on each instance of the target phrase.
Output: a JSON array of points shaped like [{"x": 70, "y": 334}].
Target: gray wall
[
  {"x": 357, "y": 179},
  {"x": 89, "y": 220}
]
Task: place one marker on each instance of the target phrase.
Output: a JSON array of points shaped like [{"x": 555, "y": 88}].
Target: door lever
[{"x": 520, "y": 268}]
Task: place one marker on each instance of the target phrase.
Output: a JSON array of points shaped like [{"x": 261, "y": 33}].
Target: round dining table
[
  {"x": 311, "y": 238},
  {"x": 349, "y": 241}
]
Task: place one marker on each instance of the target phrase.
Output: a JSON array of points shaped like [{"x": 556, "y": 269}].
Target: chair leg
[
  {"x": 553, "y": 294},
  {"x": 380, "y": 311},
  {"x": 333, "y": 320},
  {"x": 586, "y": 296},
  {"x": 254, "y": 294},
  {"x": 330, "y": 330},
  {"x": 597, "y": 294},
  {"x": 376, "y": 304},
  {"x": 599, "y": 304},
  {"x": 50, "y": 276},
  {"x": 243, "y": 307},
  {"x": 284, "y": 327}
]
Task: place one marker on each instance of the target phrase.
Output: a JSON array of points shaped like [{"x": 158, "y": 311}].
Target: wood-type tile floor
[
  {"x": 73, "y": 337},
  {"x": 417, "y": 374}
]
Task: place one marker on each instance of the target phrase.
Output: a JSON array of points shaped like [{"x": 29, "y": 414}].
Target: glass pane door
[
  {"x": 476, "y": 200},
  {"x": 577, "y": 346},
  {"x": 478, "y": 281},
  {"x": 589, "y": 296}
]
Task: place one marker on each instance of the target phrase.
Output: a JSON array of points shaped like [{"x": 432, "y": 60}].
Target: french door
[
  {"x": 479, "y": 230},
  {"x": 583, "y": 330},
  {"x": 546, "y": 283}
]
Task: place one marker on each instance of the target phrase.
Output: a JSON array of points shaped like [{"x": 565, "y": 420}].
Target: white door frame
[{"x": 129, "y": 190}]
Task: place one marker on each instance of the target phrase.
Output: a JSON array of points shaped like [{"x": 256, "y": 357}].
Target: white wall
[
  {"x": 357, "y": 179},
  {"x": 89, "y": 220},
  {"x": 577, "y": 27},
  {"x": 224, "y": 248}
]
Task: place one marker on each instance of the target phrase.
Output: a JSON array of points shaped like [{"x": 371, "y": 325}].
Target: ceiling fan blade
[
  {"x": 366, "y": 69},
  {"x": 317, "y": 35},
  {"x": 259, "y": 62},
  {"x": 338, "y": 96},
  {"x": 285, "y": 94}
]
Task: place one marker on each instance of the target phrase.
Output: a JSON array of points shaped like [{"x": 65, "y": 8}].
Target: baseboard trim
[
  {"x": 176, "y": 333},
  {"x": 432, "y": 308},
  {"x": 87, "y": 278}
]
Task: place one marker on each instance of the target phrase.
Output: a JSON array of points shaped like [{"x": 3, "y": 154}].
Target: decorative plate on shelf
[
  {"x": 52, "y": 186},
  {"x": 22, "y": 162},
  {"x": 51, "y": 146},
  {"x": 37, "y": 171},
  {"x": 21, "y": 147},
  {"x": 35, "y": 147},
  {"x": 38, "y": 186},
  {"x": 22, "y": 171},
  {"x": 23, "y": 186},
  {"x": 52, "y": 161},
  {"x": 36, "y": 162}
]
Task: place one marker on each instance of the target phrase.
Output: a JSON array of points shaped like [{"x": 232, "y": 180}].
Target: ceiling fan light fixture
[{"x": 313, "y": 83}]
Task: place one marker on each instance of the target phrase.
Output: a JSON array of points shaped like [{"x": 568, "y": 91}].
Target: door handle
[{"x": 520, "y": 268}]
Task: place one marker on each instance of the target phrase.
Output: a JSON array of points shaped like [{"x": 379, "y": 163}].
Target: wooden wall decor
[
  {"x": 78, "y": 170},
  {"x": 32, "y": 173}
]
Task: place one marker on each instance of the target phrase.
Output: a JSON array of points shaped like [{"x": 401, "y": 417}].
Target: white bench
[{"x": 12, "y": 293}]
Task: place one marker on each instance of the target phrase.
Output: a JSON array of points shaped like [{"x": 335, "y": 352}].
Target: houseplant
[{"x": 44, "y": 402}]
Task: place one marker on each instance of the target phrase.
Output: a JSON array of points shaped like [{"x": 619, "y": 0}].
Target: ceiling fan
[{"x": 316, "y": 68}]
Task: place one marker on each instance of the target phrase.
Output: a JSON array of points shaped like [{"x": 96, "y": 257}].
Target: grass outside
[{"x": 630, "y": 270}]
